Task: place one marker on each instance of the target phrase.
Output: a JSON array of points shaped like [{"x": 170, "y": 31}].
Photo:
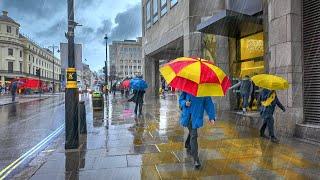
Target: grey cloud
[
  {"x": 128, "y": 24},
  {"x": 36, "y": 8},
  {"x": 54, "y": 30}
]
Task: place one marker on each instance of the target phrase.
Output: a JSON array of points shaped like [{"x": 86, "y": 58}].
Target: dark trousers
[
  {"x": 138, "y": 106},
  {"x": 13, "y": 96},
  {"x": 245, "y": 99},
  {"x": 268, "y": 122},
  {"x": 192, "y": 141}
]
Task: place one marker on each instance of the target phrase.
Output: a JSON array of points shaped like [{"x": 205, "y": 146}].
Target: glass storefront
[{"x": 251, "y": 55}]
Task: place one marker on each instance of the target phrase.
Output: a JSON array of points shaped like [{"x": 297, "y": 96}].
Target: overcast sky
[{"x": 45, "y": 22}]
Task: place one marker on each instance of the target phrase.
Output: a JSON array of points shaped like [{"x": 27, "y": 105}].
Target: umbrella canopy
[
  {"x": 196, "y": 76},
  {"x": 270, "y": 82},
  {"x": 138, "y": 84},
  {"x": 126, "y": 83}
]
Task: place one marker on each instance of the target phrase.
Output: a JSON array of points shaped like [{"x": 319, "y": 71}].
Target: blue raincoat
[{"x": 196, "y": 110}]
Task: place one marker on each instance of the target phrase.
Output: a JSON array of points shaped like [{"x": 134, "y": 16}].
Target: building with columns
[
  {"x": 243, "y": 37},
  {"x": 20, "y": 56}
]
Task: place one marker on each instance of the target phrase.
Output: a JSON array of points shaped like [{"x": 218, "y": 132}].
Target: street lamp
[
  {"x": 106, "y": 62},
  {"x": 53, "y": 47}
]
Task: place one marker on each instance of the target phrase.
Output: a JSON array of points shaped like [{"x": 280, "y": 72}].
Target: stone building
[
  {"x": 20, "y": 57},
  {"x": 125, "y": 58},
  {"x": 244, "y": 37}
]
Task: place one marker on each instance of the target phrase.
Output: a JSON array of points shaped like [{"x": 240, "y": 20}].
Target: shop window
[
  {"x": 163, "y": 7},
  {"x": 10, "y": 52},
  {"x": 251, "y": 55},
  {"x": 155, "y": 11},
  {"x": 148, "y": 14},
  {"x": 173, "y": 2},
  {"x": 209, "y": 47},
  {"x": 252, "y": 46}
]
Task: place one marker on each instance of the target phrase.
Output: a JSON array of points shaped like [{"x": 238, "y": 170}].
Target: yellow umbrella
[{"x": 270, "y": 82}]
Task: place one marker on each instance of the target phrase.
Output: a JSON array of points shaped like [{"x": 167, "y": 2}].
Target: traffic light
[
  {"x": 105, "y": 70},
  {"x": 38, "y": 72}
]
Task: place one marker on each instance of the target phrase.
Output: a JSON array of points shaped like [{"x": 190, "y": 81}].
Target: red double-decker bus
[{"x": 31, "y": 85}]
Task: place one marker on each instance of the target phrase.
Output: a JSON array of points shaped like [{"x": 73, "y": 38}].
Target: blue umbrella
[{"x": 138, "y": 84}]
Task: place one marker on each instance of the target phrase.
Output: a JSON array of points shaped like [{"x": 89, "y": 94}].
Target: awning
[{"x": 232, "y": 24}]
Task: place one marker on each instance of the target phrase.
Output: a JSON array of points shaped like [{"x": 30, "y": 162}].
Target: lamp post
[
  {"x": 71, "y": 95},
  {"x": 106, "y": 62},
  {"x": 53, "y": 47}
]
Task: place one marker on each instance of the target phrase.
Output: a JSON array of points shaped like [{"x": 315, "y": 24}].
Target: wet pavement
[
  {"x": 120, "y": 146},
  {"x": 23, "y": 125}
]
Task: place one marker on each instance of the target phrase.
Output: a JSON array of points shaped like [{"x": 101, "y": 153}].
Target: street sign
[{"x": 71, "y": 78}]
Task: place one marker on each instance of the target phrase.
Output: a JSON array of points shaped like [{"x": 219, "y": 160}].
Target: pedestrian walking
[
  {"x": 245, "y": 90},
  {"x": 138, "y": 85},
  {"x": 269, "y": 101},
  {"x": 163, "y": 87},
  {"x": 114, "y": 88},
  {"x": 192, "y": 117},
  {"x": 14, "y": 87},
  {"x": 253, "y": 95}
]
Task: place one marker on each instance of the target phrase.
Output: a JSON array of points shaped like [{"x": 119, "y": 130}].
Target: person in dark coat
[
  {"x": 245, "y": 91},
  {"x": 192, "y": 117},
  {"x": 269, "y": 100},
  {"x": 138, "y": 99},
  {"x": 14, "y": 88}
]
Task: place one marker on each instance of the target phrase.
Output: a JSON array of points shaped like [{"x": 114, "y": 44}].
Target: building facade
[
  {"x": 243, "y": 37},
  {"x": 21, "y": 57},
  {"x": 125, "y": 58}
]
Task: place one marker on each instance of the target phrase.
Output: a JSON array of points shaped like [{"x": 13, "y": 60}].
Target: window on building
[
  {"x": 155, "y": 11},
  {"x": 130, "y": 67},
  {"x": 33, "y": 71},
  {"x": 134, "y": 67},
  {"x": 10, "y": 67},
  {"x": 139, "y": 67},
  {"x": 173, "y": 2},
  {"x": 17, "y": 31},
  {"x": 8, "y": 29},
  {"x": 33, "y": 59},
  {"x": 20, "y": 67},
  {"x": 21, "y": 54},
  {"x": 163, "y": 7},
  {"x": 126, "y": 67},
  {"x": 148, "y": 14},
  {"x": 10, "y": 52},
  {"x": 139, "y": 61},
  {"x": 29, "y": 69}
]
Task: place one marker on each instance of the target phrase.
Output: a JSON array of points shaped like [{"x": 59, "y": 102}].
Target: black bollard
[{"x": 82, "y": 118}]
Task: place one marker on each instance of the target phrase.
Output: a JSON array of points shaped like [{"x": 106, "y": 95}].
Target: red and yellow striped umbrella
[{"x": 196, "y": 76}]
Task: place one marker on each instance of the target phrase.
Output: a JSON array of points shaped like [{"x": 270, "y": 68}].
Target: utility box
[{"x": 97, "y": 101}]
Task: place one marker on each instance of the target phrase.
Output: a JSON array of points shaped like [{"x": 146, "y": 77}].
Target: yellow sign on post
[{"x": 71, "y": 78}]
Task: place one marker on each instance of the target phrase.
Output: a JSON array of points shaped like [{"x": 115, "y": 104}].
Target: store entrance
[{"x": 249, "y": 62}]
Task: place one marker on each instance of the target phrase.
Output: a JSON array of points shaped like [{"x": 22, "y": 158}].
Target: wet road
[{"x": 22, "y": 126}]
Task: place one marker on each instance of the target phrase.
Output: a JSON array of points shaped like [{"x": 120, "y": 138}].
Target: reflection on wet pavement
[{"x": 120, "y": 146}]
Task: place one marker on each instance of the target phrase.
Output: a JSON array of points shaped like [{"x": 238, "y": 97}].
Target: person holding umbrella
[
  {"x": 192, "y": 117},
  {"x": 198, "y": 79},
  {"x": 269, "y": 100},
  {"x": 138, "y": 85}
]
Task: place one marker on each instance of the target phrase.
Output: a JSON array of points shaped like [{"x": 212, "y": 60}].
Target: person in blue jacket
[
  {"x": 192, "y": 117},
  {"x": 268, "y": 100}
]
